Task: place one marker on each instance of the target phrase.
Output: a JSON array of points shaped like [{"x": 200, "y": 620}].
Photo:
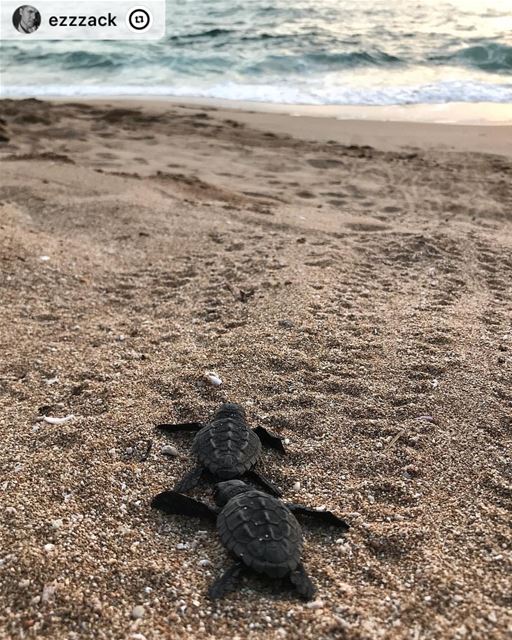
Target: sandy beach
[{"x": 350, "y": 281}]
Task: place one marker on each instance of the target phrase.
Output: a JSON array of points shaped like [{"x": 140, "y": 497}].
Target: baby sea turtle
[
  {"x": 226, "y": 448},
  {"x": 260, "y": 531}
]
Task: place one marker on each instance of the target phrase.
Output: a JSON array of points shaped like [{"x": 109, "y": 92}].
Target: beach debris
[
  {"x": 48, "y": 593},
  {"x": 169, "y": 450},
  {"x": 51, "y": 420},
  {"x": 213, "y": 378},
  {"x": 226, "y": 447},
  {"x": 242, "y": 295},
  {"x": 44, "y": 258},
  {"x": 139, "y": 450},
  {"x": 261, "y": 531},
  {"x": 137, "y": 612}
]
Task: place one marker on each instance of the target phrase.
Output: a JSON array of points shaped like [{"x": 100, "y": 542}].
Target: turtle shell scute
[
  {"x": 227, "y": 448},
  {"x": 262, "y": 532}
]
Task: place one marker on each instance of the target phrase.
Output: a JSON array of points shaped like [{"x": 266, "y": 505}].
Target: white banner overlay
[{"x": 82, "y": 20}]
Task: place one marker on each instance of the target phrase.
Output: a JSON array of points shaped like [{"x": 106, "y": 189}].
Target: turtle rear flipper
[
  {"x": 189, "y": 480},
  {"x": 269, "y": 439},
  {"x": 326, "y": 517},
  {"x": 182, "y": 426},
  {"x": 175, "y": 503},
  {"x": 302, "y": 582},
  {"x": 227, "y": 582},
  {"x": 263, "y": 482}
]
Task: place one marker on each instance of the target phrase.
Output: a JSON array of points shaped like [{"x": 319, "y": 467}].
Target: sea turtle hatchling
[
  {"x": 260, "y": 531},
  {"x": 226, "y": 448}
]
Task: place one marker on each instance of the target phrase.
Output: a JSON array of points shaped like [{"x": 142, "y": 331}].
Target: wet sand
[{"x": 352, "y": 287}]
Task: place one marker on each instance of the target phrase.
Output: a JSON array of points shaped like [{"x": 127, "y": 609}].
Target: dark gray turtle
[
  {"x": 260, "y": 531},
  {"x": 226, "y": 448}
]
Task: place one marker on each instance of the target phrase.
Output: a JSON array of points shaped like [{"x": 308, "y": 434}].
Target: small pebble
[
  {"x": 296, "y": 486},
  {"x": 11, "y": 511},
  {"x": 44, "y": 258},
  {"x": 24, "y": 583},
  {"x": 316, "y": 604},
  {"x": 204, "y": 562},
  {"x": 286, "y": 440},
  {"x": 49, "y": 547},
  {"x": 137, "y": 612},
  {"x": 213, "y": 379},
  {"x": 169, "y": 450},
  {"x": 57, "y": 524},
  {"x": 181, "y": 546},
  {"x": 48, "y": 593}
]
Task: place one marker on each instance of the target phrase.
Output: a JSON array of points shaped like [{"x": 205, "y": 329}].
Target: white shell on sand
[
  {"x": 51, "y": 420},
  {"x": 137, "y": 611},
  {"x": 213, "y": 378}
]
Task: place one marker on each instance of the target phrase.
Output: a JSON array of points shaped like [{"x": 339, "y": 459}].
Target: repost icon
[{"x": 139, "y": 19}]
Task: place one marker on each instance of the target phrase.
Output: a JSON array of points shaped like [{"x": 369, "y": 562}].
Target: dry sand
[{"x": 356, "y": 300}]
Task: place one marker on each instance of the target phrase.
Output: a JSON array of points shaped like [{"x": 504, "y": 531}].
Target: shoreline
[
  {"x": 460, "y": 113},
  {"x": 322, "y": 125}
]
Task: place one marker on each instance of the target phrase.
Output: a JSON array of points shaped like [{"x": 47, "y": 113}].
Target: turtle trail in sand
[
  {"x": 260, "y": 531},
  {"x": 226, "y": 448}
]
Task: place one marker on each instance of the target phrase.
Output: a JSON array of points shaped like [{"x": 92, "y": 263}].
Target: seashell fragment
[
  {"x": 213, "y": 378},
  {"x": 51, "y": 420}
]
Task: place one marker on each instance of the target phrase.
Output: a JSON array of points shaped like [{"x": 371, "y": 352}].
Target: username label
[{"x": 83, "y": 20}]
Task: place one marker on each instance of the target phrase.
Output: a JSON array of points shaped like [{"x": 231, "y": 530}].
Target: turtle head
[
  {"x": 230, "y": 410},
  {"x": 224, "y": 491}
]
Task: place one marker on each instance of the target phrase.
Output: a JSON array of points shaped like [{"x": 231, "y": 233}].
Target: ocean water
[{"x": 318, "y": 52}]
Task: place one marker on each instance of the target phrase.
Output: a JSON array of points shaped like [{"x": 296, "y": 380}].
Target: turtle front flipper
[
  {"x": 182, "y": 426},
  {"x": 263, "y": 482},
  {"x": 227, "y": 582},
  {"x": 175, "y": 503},
  {"x": 326, "y": 517},
  {"x": 269, "y": 439},
  {"x": 189, "y": 480},
  {"x": 302, "y": 582}
]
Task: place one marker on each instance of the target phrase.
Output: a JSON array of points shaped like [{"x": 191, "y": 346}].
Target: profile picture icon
[{"x": 26, "y": 19}]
